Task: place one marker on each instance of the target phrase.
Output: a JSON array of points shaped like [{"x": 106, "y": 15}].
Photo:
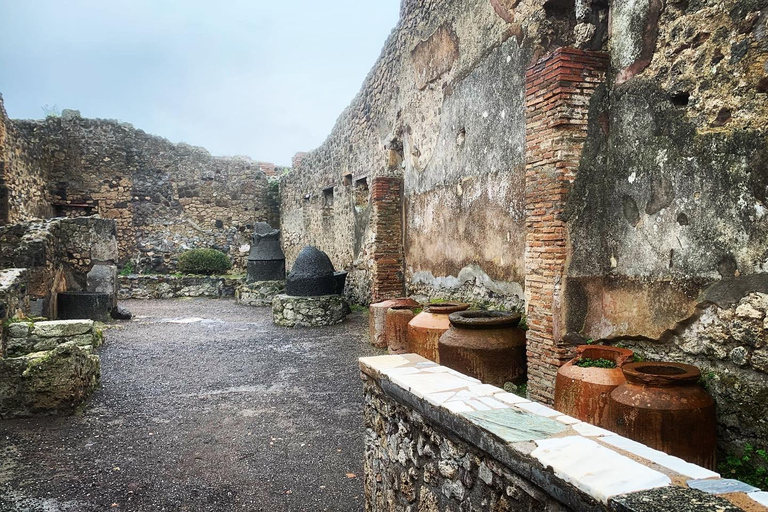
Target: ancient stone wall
[
  {"x": 23, "y": 191},
  {"x": 164, "y": 197},
  {"x": 57, "y": 255},
  {"x": 168, "y": 287},
  {"x": 442, "y": 108}
]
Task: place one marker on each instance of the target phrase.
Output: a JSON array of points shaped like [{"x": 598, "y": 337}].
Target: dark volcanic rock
[
  {"x": 266, "y": 261},
  {"x": 312, "y": 274}
]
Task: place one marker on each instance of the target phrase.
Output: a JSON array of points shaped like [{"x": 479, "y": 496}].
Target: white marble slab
[
  {"x": 457, "y": 407},
  {"x": 422, "y": 384},
  {"x": 760, "y": 497},
  {"x": 382, "y": 363},
  {"x": 493, "y": 403},
  {"x": 484, "y": 390},
  {"x": 539, "y": 409},
  {"x": 439, "y": 398},
  {"x": 588, "y": 430},
  {"x": 567, "y": 420},
  {"x": 662, "y": 459},
  {"x": 400, "y": 370},
  {"x": 595, "y": 469},
  {"x": 510, "y": 398}
]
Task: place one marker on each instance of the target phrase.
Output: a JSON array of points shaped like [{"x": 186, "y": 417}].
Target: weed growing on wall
[{"x": 751, "y": 467}]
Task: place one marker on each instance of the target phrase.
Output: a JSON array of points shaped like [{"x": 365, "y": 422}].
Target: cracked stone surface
[{"x": 204, "y": 405}]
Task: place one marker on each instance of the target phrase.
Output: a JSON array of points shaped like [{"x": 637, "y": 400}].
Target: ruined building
[{"x": 602, "y": 168}]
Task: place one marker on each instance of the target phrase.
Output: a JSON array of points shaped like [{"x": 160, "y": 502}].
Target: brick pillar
[
  {"x": 557, "y": 89},
  {"x": 387, "y": 225}
]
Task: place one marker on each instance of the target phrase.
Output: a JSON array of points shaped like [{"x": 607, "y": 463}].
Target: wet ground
[{"x": 204, "y": 405}]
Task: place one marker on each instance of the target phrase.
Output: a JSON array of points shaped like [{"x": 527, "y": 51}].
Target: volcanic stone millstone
[
  {"x": 312, "y": 274},
  {"x": 266, "y": 261}
]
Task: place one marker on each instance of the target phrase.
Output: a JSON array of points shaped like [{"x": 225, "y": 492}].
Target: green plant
[
  {"x": 358, "y": 308},
  {"x": 638, "y": 358},
  {"x": 127, "y": 269},
  {"x": 590, "y": 341},
  {"x": 203, "y": 261},
  {"x": 751, "y": 467},
  {"x": 586, "y": 362}
]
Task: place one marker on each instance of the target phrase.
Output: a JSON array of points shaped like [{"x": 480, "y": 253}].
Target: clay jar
[
  {"x": 663, "y": 406},
  {"x": 584, "y": 393},
  {"x": 377, "y": 319},
  {"x": 396, "y": 331},
  {"x": 486, "y": 345},
  {"x": 425, "y": 329}
]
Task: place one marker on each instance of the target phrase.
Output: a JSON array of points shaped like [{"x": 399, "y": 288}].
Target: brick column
[
  {"x": 557, "y": 89},
  {"x": 387, "y": 224}
]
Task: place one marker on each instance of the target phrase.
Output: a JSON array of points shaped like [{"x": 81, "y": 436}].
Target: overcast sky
[{"x": 239, "y": 77}]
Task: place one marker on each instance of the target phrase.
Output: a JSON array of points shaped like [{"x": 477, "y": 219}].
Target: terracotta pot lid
[
  {"x": 484, "y": 319},
  {"x": 661, "y": 374},
  {"x": 446, "y": 308}
]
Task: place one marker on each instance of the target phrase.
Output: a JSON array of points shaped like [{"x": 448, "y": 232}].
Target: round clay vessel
[
  {"x": 425, "y": 329},
  {"x": 377, "y": 319},
  {"x": 584, "y": 393},
  {"x": 663, "y": 406},
  {"x": 396, "y": 331},
  {"x": 486, "y": 345}
]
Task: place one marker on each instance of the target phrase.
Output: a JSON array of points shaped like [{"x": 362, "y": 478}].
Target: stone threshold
[{"x": 584, "y": 467}]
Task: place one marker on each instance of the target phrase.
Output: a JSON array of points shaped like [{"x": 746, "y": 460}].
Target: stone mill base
[
  {"x": 258, "y": 293},
  {"x": 291, "y": 311}
]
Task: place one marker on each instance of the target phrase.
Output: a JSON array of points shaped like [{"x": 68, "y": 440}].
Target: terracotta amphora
[
  {"x": 377, "y": 319},
  {"x": 397, "y": 328},
  {"x": 425, "y": 329},
  {"x": 584, "y": 393},
  {"x": 487, "y": 345},
  {"x": 663, "y": 406}
]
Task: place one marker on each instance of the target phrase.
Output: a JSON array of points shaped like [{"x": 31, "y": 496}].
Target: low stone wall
[
  {"x": 439, "y": 440},
  {"x": 259, "y": 293},
  {"x": 47, "y": 367},
  {"x": 289, "y": 311},
  {"x": 13, "y": 292},
  {"x": 22, "y": 338},
  {"x": 169, "y": 287}
]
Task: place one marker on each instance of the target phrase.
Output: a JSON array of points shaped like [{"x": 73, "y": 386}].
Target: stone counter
[
  {"x": 136, "y": 286},
  {"x": 439, "y": 440}
]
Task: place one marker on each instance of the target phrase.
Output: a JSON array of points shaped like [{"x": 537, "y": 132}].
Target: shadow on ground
[{"x": 204, "y": 405}]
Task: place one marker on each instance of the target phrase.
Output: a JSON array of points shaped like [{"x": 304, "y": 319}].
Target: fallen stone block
[{"x": 62, "y": 328}]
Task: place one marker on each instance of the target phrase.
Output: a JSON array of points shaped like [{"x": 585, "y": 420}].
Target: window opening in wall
[
  {"x": 361, "y": 192},
  {"x": 328, "y": 197},
  {"x": 347, "y": 179}
]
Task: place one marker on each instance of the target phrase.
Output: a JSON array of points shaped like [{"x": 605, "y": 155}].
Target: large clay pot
[
  {"x": 584, "y": 393},
  {"x": 397, "y": 328},
  {"x": 486, "y": 345},
  {"x": 663, "y": 406},
  {"x": 377, "y": 318},
  {"x": 425, "y": 329}
]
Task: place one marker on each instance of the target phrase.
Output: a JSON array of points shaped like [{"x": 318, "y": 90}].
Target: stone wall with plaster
[
  {"x": 164, "y": 197},
  {"x": 438, "y": 440},
  {"x": 666, "y": 217}
]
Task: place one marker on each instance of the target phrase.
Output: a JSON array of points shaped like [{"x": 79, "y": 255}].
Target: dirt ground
[{"x": 204, "y": 405}]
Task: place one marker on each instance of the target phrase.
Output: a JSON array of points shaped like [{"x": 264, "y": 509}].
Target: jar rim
[
  {"x": 484, "y": 319},
  {"x": 661, "y": 374}
]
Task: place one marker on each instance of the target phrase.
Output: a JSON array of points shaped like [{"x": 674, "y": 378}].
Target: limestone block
[
  {"x": 44, "y": 383},
  {"x": 19, "y": 330},
  {"x": 259, "y": 293},
  {"x": 62, "y": 328}
]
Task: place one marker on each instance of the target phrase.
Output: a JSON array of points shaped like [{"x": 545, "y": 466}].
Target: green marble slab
[{"x": 515, "y": 426}]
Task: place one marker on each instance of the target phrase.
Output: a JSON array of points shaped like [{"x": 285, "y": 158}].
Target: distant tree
[{"x": 51, "y": 110}]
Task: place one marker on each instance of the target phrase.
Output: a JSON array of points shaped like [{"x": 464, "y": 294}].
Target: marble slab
[
  {"x": 595, "y": 469},
  {"x": 670, "y": 462},
  {"x": 514, "y": 426},
  {"x": 722, "y": 486}
]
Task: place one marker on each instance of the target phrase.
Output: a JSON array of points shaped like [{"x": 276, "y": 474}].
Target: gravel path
[{"x": 204, "y": 405}]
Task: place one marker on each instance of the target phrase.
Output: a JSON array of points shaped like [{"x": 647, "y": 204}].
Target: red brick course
[
  {"x": 558, "y": 91},
  {"x": 388, "y": 255}
]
